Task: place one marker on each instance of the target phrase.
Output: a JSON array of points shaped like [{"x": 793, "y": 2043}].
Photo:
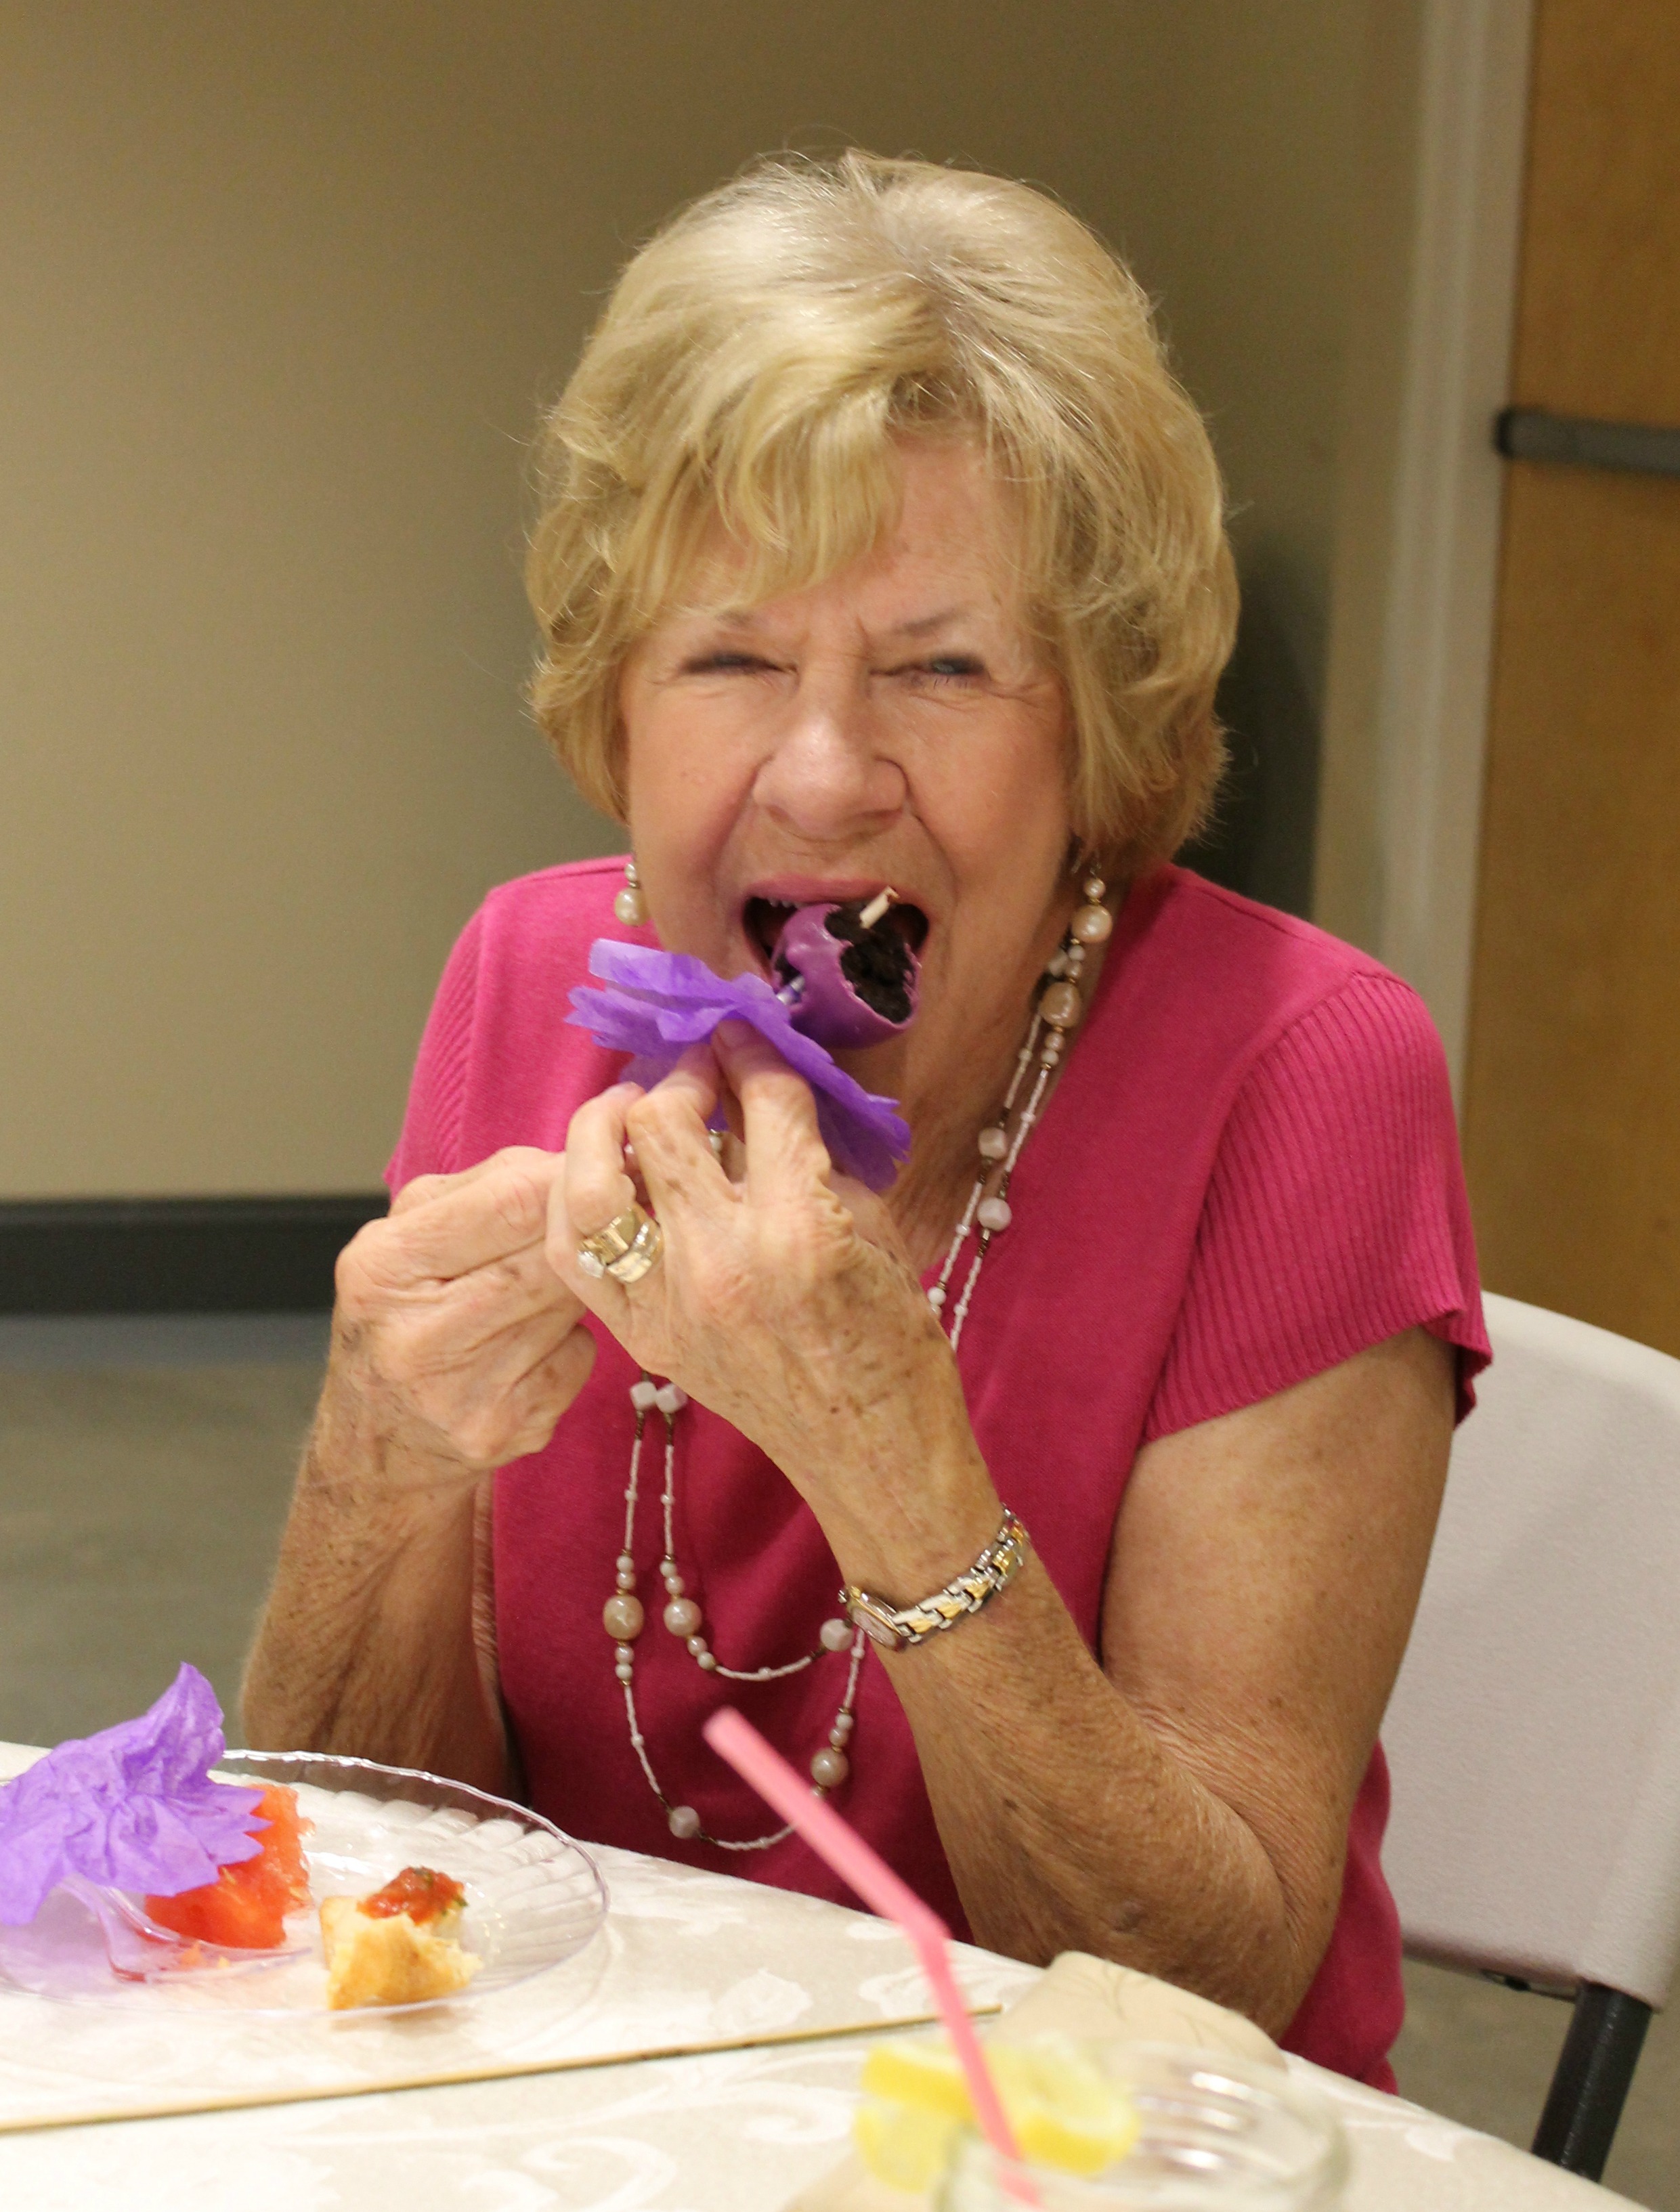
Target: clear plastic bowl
[{"x": 1219, "y": 2135}]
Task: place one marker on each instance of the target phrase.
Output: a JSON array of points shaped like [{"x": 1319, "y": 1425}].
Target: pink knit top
[{"x": 1247, "y": 1173}]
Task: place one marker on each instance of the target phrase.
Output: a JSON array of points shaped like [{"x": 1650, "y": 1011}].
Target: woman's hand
[
  {"x": 455, "y": 1348},
  {"x": 785, "y": 1302},
  {"x": 459, "y": 1341}
]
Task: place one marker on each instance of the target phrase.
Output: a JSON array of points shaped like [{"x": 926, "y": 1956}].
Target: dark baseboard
[{"x": 115, "y": 1256}]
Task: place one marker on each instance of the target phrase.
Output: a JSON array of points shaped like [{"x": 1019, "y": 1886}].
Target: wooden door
[{"x": 1573, "y": 1081}]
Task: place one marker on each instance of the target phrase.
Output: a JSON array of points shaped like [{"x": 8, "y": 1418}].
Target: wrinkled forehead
[{"x": 939, "y": 531}]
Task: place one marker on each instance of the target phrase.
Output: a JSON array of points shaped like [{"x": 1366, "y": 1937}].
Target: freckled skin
[{"x": 1180, "y": 1803}]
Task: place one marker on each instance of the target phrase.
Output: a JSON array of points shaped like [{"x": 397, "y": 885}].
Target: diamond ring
[{"x": 627, "y": 1248}]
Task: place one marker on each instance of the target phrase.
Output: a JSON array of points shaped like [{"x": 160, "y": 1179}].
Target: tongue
[{"x": 848, "y": 981}]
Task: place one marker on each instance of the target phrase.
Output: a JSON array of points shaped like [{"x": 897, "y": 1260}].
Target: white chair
[{"x": 1534, "y": 1730}]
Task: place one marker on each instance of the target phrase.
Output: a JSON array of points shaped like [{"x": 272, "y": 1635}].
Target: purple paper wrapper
[
  {"x": 658, "y": 1004},
  {"x": 133, "y": 1808}
]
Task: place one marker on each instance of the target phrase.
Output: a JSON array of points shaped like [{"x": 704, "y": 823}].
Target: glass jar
[{"x": 1219, "y": 2134}]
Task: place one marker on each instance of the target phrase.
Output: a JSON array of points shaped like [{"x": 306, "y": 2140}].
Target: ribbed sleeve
[
  {"x": 1335, "y": 1214},
  {"x": 431, "y": 1143}
]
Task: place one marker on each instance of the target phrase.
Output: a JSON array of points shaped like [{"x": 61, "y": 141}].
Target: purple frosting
[
  {"x": 658, "y": 1004},
  {"x": 133, "y": 1808}
]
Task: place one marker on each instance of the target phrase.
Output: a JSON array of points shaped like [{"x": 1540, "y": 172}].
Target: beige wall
[
  {"x": 1420, "y": 490},
  {"x": 281, "y": 287}
]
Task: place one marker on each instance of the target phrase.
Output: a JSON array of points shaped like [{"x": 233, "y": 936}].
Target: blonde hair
[{"x": 756, "y": 366}]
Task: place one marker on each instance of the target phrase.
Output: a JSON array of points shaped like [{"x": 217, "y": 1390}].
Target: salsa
[
  {"x": 421, "y": 1891},
  {"x": 246, "y": 1906}
]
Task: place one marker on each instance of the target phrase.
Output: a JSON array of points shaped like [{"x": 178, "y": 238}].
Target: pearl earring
[
  {"x": 1091, "y": 922},
  {"x": 628, "y": 905}
]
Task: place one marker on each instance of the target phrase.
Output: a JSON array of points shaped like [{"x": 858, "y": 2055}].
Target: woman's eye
[
  {"x": 949, "y": 668},
  {"x": 724, "y": 664}
]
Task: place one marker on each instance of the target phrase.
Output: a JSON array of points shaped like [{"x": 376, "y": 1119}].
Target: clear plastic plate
[{"x": 533, "y": 1898}]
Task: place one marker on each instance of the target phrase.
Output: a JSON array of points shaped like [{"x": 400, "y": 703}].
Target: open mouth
[
  {"x": 847, "y": 967},
  {"x": 765, "y": 920}
]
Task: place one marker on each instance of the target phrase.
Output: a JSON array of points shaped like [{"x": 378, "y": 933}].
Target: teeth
[{"x": 764, "y": 921}]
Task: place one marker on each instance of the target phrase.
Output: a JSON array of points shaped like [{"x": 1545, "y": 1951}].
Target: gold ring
[{"x": 627, "y": 1248}]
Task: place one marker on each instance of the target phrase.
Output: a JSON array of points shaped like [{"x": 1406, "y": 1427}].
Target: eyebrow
[{"x": 923, "y": 625}]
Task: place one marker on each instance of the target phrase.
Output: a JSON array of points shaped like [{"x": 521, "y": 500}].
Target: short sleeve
[
  {"x": 1335, "y": 1214},
  {"x": 431, "y": 1143}
]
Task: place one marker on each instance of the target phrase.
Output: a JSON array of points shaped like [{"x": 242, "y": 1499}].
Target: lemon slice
[
  {"x": 923, "y": 2074},
  {"x": 1065, "y": 2112}
]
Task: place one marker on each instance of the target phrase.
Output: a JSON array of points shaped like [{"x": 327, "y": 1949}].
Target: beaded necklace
[{"x": 1055, "y": 1016}]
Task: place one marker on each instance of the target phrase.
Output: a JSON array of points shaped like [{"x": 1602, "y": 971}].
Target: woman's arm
[
  {"x": 455, "y": 1349},
  {"x": 1183, "y": 1806}
]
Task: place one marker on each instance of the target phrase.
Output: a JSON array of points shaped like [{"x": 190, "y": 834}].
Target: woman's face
[{"x": 895, "y": 725}]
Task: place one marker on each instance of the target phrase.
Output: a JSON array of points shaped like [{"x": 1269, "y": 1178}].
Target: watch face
[{"x": 874, "y": 1620}]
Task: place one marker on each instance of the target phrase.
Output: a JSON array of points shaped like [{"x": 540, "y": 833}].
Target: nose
[{"x": 827, "y": 778}]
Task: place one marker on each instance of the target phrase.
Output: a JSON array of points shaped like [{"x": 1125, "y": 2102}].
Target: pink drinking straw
[{"x": 881, "y": 1890}]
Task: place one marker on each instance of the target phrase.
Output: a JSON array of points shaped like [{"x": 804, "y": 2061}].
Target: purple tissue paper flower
[
  {"x": 133, "y": 1808},
  {"x": 658, "y": 1004}
]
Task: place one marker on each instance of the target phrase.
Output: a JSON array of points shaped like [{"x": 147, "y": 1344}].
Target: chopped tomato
[
  {"x": 246, "y": 1906},
  {"x": 421, "y": 1891}
]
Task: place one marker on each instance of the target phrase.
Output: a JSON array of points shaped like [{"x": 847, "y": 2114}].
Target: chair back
[{"x": 1534, "y": 1734}]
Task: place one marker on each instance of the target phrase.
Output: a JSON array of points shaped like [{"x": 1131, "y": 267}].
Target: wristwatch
[{"x": 895, "y": 1628}]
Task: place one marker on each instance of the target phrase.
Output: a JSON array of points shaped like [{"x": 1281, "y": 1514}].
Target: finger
[
  {"x": 596, "y": 1187},
  {"x": 420, "y": 1189},
  {"x": 484, "y": 1214},
  {"x": 506, "y": 1294},
  {"x": 609, "y": 1301},
  {"x": 871, "y": 1218},
  {"x": 785, "y": 1151},
  {"x": 416, "y": 1192},
  {"x": 517, "y": 1389},
  {"x": 548, "y": 1348},
  {"x": 592, "y": 1190},
  {"x": 673, "y": 1145},
  {"x": 696, "y": 1080},
  {"x": 547, "y": 1391}
]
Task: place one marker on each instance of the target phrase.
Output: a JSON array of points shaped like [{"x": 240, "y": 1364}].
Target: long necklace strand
[
  {"x": 1055, "y": 1016},
  {"x": 682, "y": 1617}
]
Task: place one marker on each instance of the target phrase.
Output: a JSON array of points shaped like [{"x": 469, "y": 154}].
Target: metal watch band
[{"x": 895, "y": 1628}]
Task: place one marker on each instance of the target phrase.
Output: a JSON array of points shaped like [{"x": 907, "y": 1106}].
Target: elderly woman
[{"x": 879, "y": 549}]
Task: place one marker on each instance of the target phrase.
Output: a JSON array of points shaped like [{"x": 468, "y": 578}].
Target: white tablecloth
[
  {"x": 686, "y": 1961},
  {"x": 723, "y": 2129}
]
